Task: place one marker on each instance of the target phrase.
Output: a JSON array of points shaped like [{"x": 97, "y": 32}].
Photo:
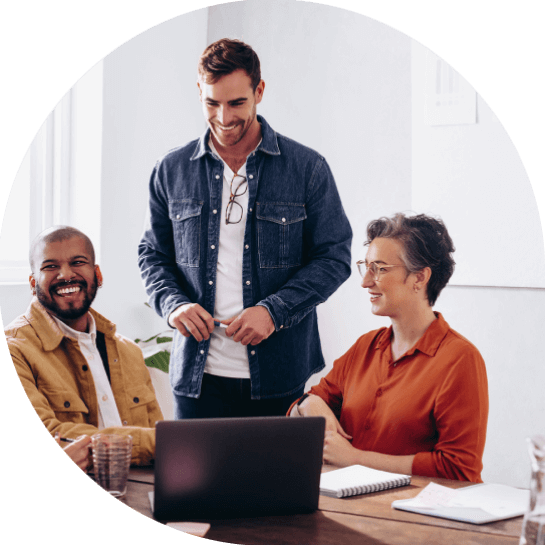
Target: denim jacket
[{"x": 296, "y": 254}]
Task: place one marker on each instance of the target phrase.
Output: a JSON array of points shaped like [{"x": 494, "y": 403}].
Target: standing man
[{"x": 246, "y": 228}]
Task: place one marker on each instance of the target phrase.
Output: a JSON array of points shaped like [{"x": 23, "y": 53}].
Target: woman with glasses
[{"x": 411, "y": 398}]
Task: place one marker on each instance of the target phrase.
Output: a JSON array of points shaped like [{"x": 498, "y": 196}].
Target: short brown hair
[
  {"x": 426, "y": 243},
  {"x": 224, "y": 57}
]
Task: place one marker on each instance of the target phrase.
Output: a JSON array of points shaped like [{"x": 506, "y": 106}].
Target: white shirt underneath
[
  {"x": 108, "y": 415},
  {"x": 226, "y": 358}
]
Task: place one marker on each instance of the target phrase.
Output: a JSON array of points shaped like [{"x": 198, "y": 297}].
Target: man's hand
[
  {"x": 79, "y": 451},
  {"x": 192, "y": 319},
  {"x": 251, "y": 326}
]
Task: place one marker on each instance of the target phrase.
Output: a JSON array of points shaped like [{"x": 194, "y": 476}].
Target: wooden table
[{"x": 365, "y": 519}]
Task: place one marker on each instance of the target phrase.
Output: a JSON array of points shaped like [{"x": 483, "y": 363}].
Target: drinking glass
[{"x": 111, "y": 462}]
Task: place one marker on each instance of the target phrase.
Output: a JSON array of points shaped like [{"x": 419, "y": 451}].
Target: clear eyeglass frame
[{"x": 363, "y": 267}]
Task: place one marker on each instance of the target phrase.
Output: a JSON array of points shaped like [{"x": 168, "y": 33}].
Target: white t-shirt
[
  {"x": 226, "y": 358},
  {"x": 108, "y": 414}
]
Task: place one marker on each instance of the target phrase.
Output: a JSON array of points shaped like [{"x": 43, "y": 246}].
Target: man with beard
[
  {"x": 246, "y": 231},
  {"x": 79, "y": 374}
]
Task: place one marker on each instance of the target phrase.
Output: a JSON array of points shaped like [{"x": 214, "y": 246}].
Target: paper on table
[{"x": 497, "y": 499}]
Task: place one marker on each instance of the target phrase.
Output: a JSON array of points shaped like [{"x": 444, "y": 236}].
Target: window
[{"x": 59, "y": 179}]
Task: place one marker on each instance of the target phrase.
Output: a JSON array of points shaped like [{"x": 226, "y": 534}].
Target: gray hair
[{"x": 426, "y": 243}]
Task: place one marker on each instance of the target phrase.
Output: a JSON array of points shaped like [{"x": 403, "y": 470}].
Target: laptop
[{"x": 237, "y": 467}]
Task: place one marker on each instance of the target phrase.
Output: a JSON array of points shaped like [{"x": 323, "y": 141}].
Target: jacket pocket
[
  {"x": 280, "y": 234},
  {"x": 67, "y": 406},
  {"x": 185, "y": 216},
  {"x": 140, "y": 398}
]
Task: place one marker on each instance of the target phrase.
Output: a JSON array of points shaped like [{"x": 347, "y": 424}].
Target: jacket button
[
  {"x": 66, "y": 404},
  {"x": 251, "y": 176},
  {"x": 214, "y": 211},
  {"x": 283, "y": 220},
  {"x": 246, "y": 246},
  {"x": 213, "y": 247},
  {"x": 85, "y": 368},
  {"x": 247, "y": 282},
  {"x": 136, "y": 400},
  {"x": 217, "y": 176},
  {"x": 177, "y": 216},
  {"x": 210, "y": 282},
  {"x": 125, "y": 422},
  {"x": 252, "y": 352}
]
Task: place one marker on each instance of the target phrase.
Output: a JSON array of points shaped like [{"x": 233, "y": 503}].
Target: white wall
[
  {"x": 342, "y": 84},
  {"x": 150, "y": 106}
]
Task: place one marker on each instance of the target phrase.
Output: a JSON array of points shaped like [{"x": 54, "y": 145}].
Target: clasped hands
[
  {"x": 251, "y": 326},
  {"x": 338, "y": 449}
]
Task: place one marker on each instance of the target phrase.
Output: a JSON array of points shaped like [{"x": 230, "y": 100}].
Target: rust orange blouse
[{"x": 432, "y": 402}]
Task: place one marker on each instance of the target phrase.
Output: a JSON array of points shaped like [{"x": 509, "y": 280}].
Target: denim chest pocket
[
  {"x": 185, "y": 216},
  {"x": 280, "y": 234}
]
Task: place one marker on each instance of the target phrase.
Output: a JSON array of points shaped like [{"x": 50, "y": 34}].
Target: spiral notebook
[{"x": 355, "y": 480}]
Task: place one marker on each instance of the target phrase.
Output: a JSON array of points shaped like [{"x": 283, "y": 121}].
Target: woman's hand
[
  {"x": 314, "y": 405},
  {"x": 338, "y": 451}
]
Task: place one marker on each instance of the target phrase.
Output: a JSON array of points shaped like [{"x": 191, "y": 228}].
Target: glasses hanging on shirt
[{"x": 234, "y": 211}]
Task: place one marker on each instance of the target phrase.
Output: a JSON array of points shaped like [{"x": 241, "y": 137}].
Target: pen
[
  {"x": 65, "y": 439},
  {"x": 219, "y": 324}
]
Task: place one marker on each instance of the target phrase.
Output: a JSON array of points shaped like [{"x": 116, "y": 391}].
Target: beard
[
  {"x": 238, "y": 133},
  {"x": 74, "y": 310}
]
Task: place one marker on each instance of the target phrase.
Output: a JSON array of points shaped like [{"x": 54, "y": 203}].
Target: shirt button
[
  {"x": 247, "y": 282},
  {"x": 213, "y": 247},
  {"x": 104, "y": 397},
  {"x": 125, "y": 422},
  {"x": 214, "y": 211},
  {"x": 136, "y": 399},
  {"x": 283, "y": 220},
  {"x": 115, "y": 361},
  {"x": 210, "y": 282}
]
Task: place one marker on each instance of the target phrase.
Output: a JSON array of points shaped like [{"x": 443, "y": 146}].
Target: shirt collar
[
  {"x": 78, "y": 335},
  {"x": 427, "y": 344},
  {"x": 268, "y": 144}
]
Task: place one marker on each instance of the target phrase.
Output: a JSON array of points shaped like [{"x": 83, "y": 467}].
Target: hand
[
  {"x": 251, "y": 326},
  {"x": 79, "y": 451},
  {"x": 314, "y": 405},
  {"x": 192, "y": 319},
  {"x": 338, "y": 451}
]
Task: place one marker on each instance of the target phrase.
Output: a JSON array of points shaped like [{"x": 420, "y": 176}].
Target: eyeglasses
[
  {"x": 233, "y": 213},
  {"x": 377, "y": 270}
]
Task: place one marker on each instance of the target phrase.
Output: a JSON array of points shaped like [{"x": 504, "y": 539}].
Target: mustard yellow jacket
[{"x": 60, "y": 386}]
